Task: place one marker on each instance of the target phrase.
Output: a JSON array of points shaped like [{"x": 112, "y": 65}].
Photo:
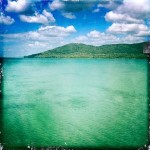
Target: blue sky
[{"x": 33, "y": 26}]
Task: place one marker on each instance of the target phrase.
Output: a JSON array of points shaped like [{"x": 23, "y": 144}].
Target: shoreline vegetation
[{"x": 75, "y": 50}]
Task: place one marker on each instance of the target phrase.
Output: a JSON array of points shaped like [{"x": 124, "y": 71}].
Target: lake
[{"x": 75, "y": 102}]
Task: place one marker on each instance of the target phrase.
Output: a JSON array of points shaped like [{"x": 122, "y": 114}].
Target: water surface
[{"x": 75, "y": 102}]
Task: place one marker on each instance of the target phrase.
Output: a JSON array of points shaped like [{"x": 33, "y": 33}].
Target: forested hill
[{"x": 75, "y": 50}]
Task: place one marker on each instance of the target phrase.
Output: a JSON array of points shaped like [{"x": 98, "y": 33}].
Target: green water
[{"x": 75, "y": 102}]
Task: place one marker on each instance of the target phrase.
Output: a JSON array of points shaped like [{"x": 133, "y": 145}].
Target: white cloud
[
  {"x": 138, "y": 9},
  {"x": 71, "y": 0},
  {"x": 37, "y": 44},
  {"x": 44, "y": 38},
  {"x": 81, "y": 39},
  {"x": 44, "y": 18},
  {"x": 38, "y": 18},
  {"x": 129, "y": 18},
  {"x": 71, "y": 5},
  {"x": 60, "y": 5},
  {"x": 96, "y": 38},
  {"x": 43, "y": 33},
  {"x": 68, "y": 15},
  {"x": 110, "y": 4},
  {"x": 143, "y": 33},
  {"x": 95, "y": 34},
  {"x": 100, "y": 38},
  {"x": 121, "y": 18},
  {"x": 96, "y": 10},
  {"x": 49, "y": 16},
  {"x": 68, "y": 7},
  {"x": 131, "y": 39},
  {"x": 130, "y": 11},
  {"x": 7, "y": 20},
  {"x": 16, "y": 6},
  {"x": 121, "y": 28},
  {"x": 56, "y": 31},
  {"x": 134, "y": 8},
  {"x": 56, "y": 4}
]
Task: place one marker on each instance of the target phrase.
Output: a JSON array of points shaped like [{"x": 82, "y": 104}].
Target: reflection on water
[{"x": 75, "y": 102}]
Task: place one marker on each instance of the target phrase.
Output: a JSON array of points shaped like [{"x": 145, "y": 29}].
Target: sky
[{"x": 32, "y": 26}]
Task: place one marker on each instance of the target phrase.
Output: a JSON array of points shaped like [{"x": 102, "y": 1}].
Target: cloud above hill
[
  {"x": 17, "y": 6},
  {"x": 6, "y": 20},
  {"x": 44, "y": 18}
]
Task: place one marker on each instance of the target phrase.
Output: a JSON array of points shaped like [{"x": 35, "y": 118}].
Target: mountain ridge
[{"x": 78, "y": 50}]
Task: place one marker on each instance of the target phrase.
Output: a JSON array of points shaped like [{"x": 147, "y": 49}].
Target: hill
[{"x": 75, "y": 50}]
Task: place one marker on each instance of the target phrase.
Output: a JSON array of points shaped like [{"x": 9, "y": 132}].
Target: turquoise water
[{"x": 75, "y": 102}]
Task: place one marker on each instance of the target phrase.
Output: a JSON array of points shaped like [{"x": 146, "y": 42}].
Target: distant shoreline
[{"x": 102, "y": 56}]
